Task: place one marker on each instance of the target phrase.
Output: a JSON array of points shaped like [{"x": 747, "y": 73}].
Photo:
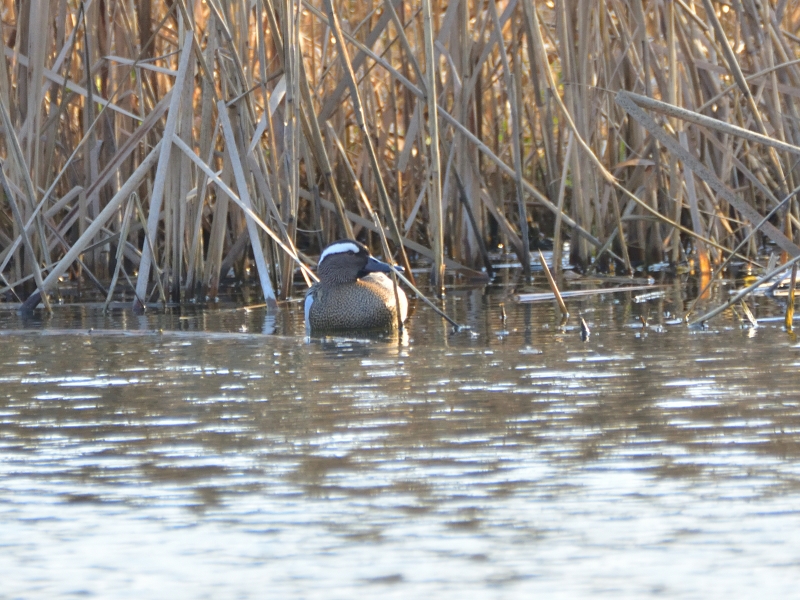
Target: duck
[{"x": 353, "y": 292}]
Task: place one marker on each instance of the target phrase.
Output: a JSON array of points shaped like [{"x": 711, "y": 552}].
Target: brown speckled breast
[{"x": 362, "y": 304}]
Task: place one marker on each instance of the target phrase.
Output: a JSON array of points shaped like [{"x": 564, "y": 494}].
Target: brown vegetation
[{"x": 153, "y": 147}]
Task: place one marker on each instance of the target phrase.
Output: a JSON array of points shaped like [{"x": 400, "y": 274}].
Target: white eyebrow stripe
[{"x": 339, "y": 248}]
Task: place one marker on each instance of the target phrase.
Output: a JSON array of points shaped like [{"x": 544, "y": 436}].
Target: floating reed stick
[{"x": 540, "y": 296}]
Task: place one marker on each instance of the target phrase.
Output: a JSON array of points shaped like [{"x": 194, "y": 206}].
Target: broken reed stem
[
  {"x": 554, "y": 286},
  {"x": 735, "y": 251},
  {"x": 426, "y": 300},
  {"x": 744, "y": 292},
  {"x": 789, "y": 319}
]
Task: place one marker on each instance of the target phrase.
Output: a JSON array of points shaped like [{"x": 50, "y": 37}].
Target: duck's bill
[{"x": 378, "y": 266}]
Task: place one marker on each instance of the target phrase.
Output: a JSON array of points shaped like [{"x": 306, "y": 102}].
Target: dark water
[{"x": 210, "y": 460}]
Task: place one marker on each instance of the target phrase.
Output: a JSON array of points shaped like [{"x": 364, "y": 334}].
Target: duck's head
[{"x": 347, "y": 260}]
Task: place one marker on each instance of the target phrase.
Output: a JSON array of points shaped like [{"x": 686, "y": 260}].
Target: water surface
[{"x": 219, "y": 453}]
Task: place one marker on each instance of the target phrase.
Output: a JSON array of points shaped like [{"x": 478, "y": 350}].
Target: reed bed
[{"x": 151, "y": 149}]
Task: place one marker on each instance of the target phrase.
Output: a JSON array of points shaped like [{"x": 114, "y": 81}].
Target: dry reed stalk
[
  {"x": 789, "y": 317},
  {"x": 244, "y": 195},
  {"x": 31, "y": 252},
  {"x": 714, "y": 124},
  {"x": 162, "y": 171},
  {"x": 675, "y": 185},
  {"x": 314, "y": 137},
  {"x": 726, "y": 262},
  {"x": 570, "y": 41},
  {"x": 538, "y": 82},
  {"x": 126, "y": 220},
  {"x": 248, "y": 212},
  {"x": 562, "y": 190},
  {"x": 408, "y": 243},
  {"x": 625, "y": 100},
  {"x": 618, "y": 230},
  {"x": 434, "y": 178},
  {"x": 697, "y": 224},
  {"x": 110, "y": 209},
  {"x": 747, "y": 290},
  {"x": 361, "y": 121},
  {"x": 516, "y": 130},
  {"x": 289, "y": 13}
]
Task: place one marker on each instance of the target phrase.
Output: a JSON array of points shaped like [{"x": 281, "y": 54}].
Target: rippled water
[{"x": 194, "y": 455}]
